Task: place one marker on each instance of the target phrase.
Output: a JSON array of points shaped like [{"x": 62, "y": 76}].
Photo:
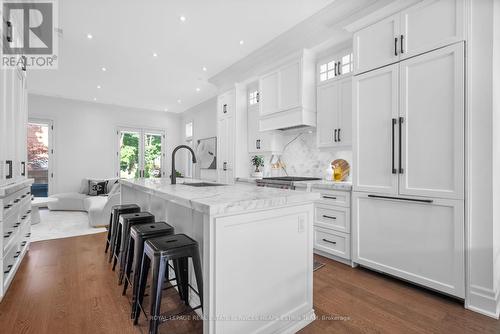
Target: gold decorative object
[{"x": 340, "y": 169}]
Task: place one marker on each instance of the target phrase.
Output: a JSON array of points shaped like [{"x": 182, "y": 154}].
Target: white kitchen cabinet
[
  {"x": 433, "y": 124},
  {"x": 334, "y": 112},
  {"x": 425, "y": 26},
  {"x": 375, "y": 112},
  {"x": 225, "y": 150},
  {"x": 431, "y": 24},
  {"x": 287, "y": 94},
  {"x": 376, "y": 45},
  {"x": 422, "y": 242}
]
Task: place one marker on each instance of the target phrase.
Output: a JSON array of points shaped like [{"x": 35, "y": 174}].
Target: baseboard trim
[{"x": 484, "y": 301}]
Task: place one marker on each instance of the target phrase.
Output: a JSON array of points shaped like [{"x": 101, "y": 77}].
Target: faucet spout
[{"x": 173, "y": 177}]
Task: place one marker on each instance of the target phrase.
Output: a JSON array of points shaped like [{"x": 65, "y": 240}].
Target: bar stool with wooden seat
[
  {"x": 123, "y": 231},
  {"x": 116, "y": 211},
  {"x": 133, "y": 255},
  {"x": 157, "y": 253}
]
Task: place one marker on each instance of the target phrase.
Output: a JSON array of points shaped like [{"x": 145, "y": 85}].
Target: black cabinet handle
[
  {"x": 329, "y": 197},
  {"x": 401, "y": 120},
  {"x": 329, "y": 217},
  {"x": 25, "y": 60},
  {"x": 395, "y": 46},
  {"x": 258, "y": 97},
  {"x": 224, "y": 108},
  {"x": 339, "y": 69},
  {"x": 9, "y": 32},
  {"x": 23, "y": 170},
  {"x": 335, "y": 69},
  {"x": 257, "y": 144},
  {"x": 403, "y": 199},
  {"x": 16, "y": 200},
  {"x": 224, "y": 166},
  {"x": 9, "y": 267},
  {"x": 329, "y": 241},
  {"x": 335, "y": 135},
  {"x": 402, "y": 50},
  {"x": 394, "y": 121},
  {"x": 9, "y": 163},
  {"x": 338, "y": 135},
  {"x": 17, "y": 254}
]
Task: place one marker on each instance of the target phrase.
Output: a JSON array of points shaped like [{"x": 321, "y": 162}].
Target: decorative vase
[{"x": 258, "y": 175}]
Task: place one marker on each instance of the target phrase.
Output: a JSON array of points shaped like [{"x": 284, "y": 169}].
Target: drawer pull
[
  {"x": 16, "y": 200},
  {"x": 329, "y": 197},
  {"x": 17, "y": 254},
  {"x": 23, "y": 243},
  {"x": 9, "y": 267},
  {"x": 329, "y": 241},
  {"x": 402, "y": 199},
  {"x": 28, "y": 235},
  {"x": 329, "y": 217}
]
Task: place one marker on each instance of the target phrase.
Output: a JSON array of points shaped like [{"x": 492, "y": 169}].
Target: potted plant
[{"x": 257, "y": 161}]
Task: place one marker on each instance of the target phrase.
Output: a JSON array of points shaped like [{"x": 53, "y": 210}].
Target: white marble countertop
[
  {"x": 308, "y": 185},
  {"x": 217, "y": 200}
]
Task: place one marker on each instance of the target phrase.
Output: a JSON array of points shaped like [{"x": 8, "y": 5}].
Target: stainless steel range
[{"x": 283, "y": 182}]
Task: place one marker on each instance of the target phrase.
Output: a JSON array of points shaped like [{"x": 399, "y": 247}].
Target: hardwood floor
[{"x": 67, "y": 286}]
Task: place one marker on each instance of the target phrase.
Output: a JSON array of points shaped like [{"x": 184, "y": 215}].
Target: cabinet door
[
  {"x": 225, "y": 149},
  {"x": 253, "y": 128},
  {"x": 290, "y": 86},
  {"x": 419, "y": 242},
  {"x": 10, "y": 126},
  {"x": 376, "y": 45},
  {"x": 431, "y": 24},
  {"x": 225, "y": 104},
  {"x": 3, "y": 125},
  {"x": 327, "y": 114},
  {"x": 269, "y": 92},
  {"x": 374, "y": 148},
  {"x": 344, "y": 135},
  {"x": 433, "y": 124}
]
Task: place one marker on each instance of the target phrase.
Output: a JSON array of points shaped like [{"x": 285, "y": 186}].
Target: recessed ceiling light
[
  {"x": 103, "y": 69},
  {"x": 242, "y": 42},
  {"x": 155, "y": 54},
  {"x": 198, "y": 89},
  {"x": 182, "y": 18},
  {"x": 98, "y": 86},
  {"x": 89, "y": 36},
  {"x": 204, "y": 69},
  {"x": 166, "y": 109},
  {"x": 95, "y": 98},
  {"x": 179, "y": 101}
]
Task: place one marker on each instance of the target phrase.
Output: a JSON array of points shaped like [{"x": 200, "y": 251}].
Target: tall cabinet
[
  {"x": 408, "y": 150},
  {"x": 15, "y": 196}
]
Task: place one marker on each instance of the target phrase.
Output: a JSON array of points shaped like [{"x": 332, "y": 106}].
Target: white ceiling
[{"x": 126, "y": 33}]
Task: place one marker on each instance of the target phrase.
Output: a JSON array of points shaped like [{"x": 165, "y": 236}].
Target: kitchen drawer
[
  {"x": 12, "y": 203},
  {"x": 332, "y": 217},
  {"x": 10, "y": 259},
  {"x": 334, "y": 197},
  {"x": 332, "y": 242}
]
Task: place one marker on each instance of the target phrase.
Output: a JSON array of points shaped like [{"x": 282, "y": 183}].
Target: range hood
[{"x": 288, "y": 120}]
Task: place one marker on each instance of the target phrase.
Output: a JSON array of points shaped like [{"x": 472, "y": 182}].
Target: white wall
[
  {"x": 85, "y": 139},
  {"x": 204, "y": 118}
]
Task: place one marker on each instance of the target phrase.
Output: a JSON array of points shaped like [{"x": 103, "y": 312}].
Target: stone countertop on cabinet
[
  {"x": 218, "y": 200},
  {"x": 308, "y": 185}
]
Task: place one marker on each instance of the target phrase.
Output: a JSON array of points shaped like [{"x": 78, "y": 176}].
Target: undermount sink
[{"x": 202, "y": 184}]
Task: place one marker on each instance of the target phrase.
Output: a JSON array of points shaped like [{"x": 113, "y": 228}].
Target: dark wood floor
[{"x": 66, "y": 286}]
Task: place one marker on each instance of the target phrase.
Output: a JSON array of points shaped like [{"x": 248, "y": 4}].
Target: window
[
  {"x": 327, "y": 70},
  {"x": 189, "y": 130},
  {"x": 189, "y": 162},
  {"x": 253, "y": 98}
]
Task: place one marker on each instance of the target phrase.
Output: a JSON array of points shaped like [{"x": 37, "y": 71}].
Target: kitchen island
[{"x": 256, "y": 247}]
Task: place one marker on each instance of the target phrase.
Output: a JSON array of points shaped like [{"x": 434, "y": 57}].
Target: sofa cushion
[
  {"x": 98, "y": 188},
  {"x": 68, "y": 202}
]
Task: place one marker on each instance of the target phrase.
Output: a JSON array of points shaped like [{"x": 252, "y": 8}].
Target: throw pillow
[{"x": 97, "y": 188}]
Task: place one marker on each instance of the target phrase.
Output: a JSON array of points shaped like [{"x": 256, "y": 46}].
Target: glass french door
[
  {"x": 141, "y": 153},
  {"x": 39, "y": 145}
]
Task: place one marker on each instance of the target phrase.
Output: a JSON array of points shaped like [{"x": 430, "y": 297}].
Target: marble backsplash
[{"x": 302, "y": 157}]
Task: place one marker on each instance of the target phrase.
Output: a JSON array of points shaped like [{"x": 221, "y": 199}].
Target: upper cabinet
[
  {"x": 287, "y": 94},
  {"x": 225, "y": 104},
  {"x": 425, "y": 26}
]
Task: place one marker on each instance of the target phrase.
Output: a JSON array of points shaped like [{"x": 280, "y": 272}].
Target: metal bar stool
[
  {"x": 157, "y": 253},
  {"x": 116, "y": 211},
  {"x": 123, "y": 230},
  {"x": 133, "y": 256}
]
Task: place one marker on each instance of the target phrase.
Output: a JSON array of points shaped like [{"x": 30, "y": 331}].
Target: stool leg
[
  {"x": 178, "y": 278},
  {"x": 128, "y": 265},
  {"x": 156, "y": 288},
  {"x": 118, "y": 243},
  {"x": 184, "y": 279},
  {"x": 198, "y": 273},
  {"x": 123, "y": 247},
  {"x": 138, "y": 250},
  {"x": 142, "y": 287},
  {"x": 114, "y": 229},
  {"x": 108, "y": 238}
]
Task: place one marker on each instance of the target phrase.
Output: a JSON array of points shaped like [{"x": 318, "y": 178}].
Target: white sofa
[{"x": 97, "y": 207}]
